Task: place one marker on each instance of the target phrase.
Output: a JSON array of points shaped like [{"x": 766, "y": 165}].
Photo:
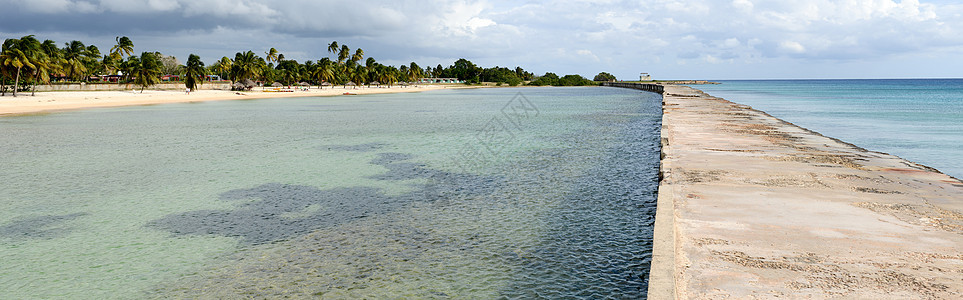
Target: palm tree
[
  {"x": 223, "y": 66},
  {"x": 386, "y": 74},
  {"x": 147, "y": 71},
  {"x": 15, "y": 58},
  {"x": 127, "y": 68},
  {"x": 333, "y": 47},
  {"x": 358, "y": 55},
  {"x": 41, "y": 73},
  {"x": 124, "y": 47},
  {"x": 79, "y": 59},
  {"x": 75, "y": 69},
  {"x": 324, "y": 71},
  {"x": 378, "y": 73},
  {"x": 308, "y": 68},
  {"x": 56, "y": 56},
  {"x": 271, "y": 55},
  {"x": 108, "y": 64},
  {"x": 344, "y": 54},
  {"x": 38, "y": 66},
  {"x": 42, "y": 65},
  {"x": 246, "y": 65},
  {"x": 290, "y": 71},
  {"x": 359, "y": 75},
  {"x": 194, "y": 72},
  {"x": 53, "y": 60},
  {"x": 415, "y": 73},
  {"x": 403, "y": 72},
  {"x": 16, "y": 54}
]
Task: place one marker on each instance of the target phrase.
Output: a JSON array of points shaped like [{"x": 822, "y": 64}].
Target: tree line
[{"x": 26, "y": 62}]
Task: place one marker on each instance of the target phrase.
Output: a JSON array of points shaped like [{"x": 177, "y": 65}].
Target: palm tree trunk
[
  {"x": 33, "y": 89},
  {"x": 16, "y": 82}
]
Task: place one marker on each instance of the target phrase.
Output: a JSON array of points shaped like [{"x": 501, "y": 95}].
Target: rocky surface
[{"x": 754, "y": 207}]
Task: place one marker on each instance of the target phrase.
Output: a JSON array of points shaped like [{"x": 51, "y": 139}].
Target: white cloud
[
  {"x": 743, "y": 5},
  {"x": 56, "y": 6},
  {"x": 731, "y": 43},
  {"x": 527, "y": 34},
  {"x": 792, "y": 47},
  {"x": 230, "y": 8},
  {"x": 463, "y": 18},
  {"x": 587, "y": 54},
  {"x": 139, "y": 6}
]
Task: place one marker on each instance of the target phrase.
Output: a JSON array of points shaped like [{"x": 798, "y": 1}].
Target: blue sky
[{"x": 688, "y": 39}]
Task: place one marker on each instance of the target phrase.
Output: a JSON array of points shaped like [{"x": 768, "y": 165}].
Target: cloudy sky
[{"x": 672, "y": 39}]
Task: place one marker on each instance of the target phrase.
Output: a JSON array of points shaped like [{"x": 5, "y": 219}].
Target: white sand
[{"x": 53, "y": 101}]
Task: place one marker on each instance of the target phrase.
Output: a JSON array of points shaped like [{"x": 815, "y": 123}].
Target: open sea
[
  {"x": 920, "y": 120},
  {"x": 466, "y": 194}
]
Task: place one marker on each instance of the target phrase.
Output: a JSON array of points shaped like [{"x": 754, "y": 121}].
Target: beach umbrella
[
  {"x": 375, "y": 83},
  {"x": 303, "y": 83},
  {"x": 248, "y": 83},
  {"x": 326, "y": 83},
  {"x": 277, "y": 84},
  {"x": 350, "y": 83}
]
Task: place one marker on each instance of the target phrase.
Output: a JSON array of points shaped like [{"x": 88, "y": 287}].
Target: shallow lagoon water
[{"x": 514, "y": 193}]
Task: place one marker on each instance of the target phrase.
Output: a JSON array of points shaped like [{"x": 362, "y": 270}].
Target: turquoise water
[
  {"x": 917, "y": 119},
  {"x": 534, "y": 192}
]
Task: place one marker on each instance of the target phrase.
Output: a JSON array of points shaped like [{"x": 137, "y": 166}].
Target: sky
[{"x": 670, "y": 39}]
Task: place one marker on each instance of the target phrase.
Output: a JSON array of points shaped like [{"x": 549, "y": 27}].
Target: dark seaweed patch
[
  {"x": 43, "y": 227},
  {"x": 369, "y": 147},
  {"x": 282, "y": 211},
  {"x": 437, "y": 180},
  {"x": 385, "y": 159},
  {"x": 270, "y": 218}
]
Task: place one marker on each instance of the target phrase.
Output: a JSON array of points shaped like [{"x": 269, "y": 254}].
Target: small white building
[
  {"x": 645, "y": 77},
  {"x": 440, "y": 80}
]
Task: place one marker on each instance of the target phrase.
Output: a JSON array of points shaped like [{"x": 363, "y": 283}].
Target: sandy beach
[
  {"x": 56, "y": 101},
  {"x": 751, "y": 206}
]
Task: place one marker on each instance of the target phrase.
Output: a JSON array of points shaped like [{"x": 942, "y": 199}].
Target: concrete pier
[
  {"x": 648, "y": 87},
  {"x": 753, "y": 207}
]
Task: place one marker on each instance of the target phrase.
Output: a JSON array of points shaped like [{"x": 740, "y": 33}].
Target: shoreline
[
  {"x": 45, "y": 102},
  {"x": 754, "y": 206}
]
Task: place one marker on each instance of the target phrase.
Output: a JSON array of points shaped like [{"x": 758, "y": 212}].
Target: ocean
[
  {"x": 920, "y": 120},
  {"x": 466, "y": 194}
]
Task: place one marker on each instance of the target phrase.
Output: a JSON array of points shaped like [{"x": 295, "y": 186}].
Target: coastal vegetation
[
  {"x": 567, "y": 80},
  {"x": 604, "y": 76},
  {"x": 195, "y": 72},
  {"x": 26, "y": 62}
]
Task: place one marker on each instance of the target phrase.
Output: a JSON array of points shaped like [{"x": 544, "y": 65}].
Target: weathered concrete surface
[{"x": 761, "y": 208}]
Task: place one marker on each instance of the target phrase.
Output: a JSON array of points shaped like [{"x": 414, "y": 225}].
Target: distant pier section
[{"x": 648, "y": 87}]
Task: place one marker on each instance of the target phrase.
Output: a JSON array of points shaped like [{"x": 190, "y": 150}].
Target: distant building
[
  {"x": 105, "y": 78},
  {"x": 645, "y": 77},
  {"x": 178, "y": 78},
  {"x": 440, "y": 80}
]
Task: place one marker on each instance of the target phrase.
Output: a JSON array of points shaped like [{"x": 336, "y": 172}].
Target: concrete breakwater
[
  {"x": 648, "y": 87},
  {"x": 751, "y": 206}
]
